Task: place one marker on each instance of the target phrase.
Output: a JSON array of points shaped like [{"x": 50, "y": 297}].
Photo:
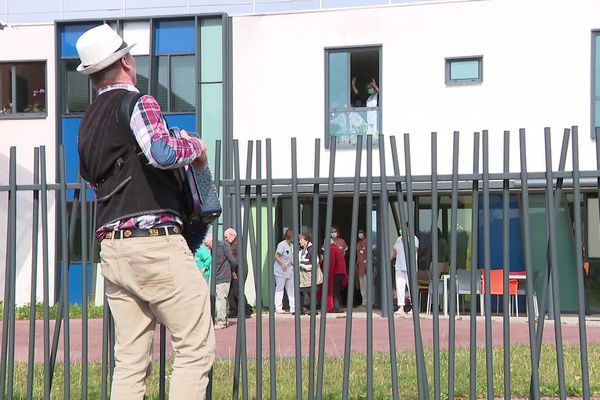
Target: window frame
[
  {"x": 65, "y": 97},
  {"x": 170, "y": 95},
  {"x": 593, "y": 95},
  {"x": 326, "y": 108},
  {"x": 25, "y": 115},
  {"x": 463, "y": 82}
]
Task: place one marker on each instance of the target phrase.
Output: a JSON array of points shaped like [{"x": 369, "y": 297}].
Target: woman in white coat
[{"x": 284, "y": 272}]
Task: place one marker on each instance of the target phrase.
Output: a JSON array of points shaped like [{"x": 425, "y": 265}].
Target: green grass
[
  {"x": 333, "y": 372},
  {"x": 75, "y": 311}
]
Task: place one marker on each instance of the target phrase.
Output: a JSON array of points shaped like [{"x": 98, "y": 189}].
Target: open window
[{"x": 353, "y": 94}]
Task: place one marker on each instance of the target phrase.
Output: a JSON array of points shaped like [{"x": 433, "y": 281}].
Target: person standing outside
[
  {"x": 338, "y": 240},
  {"x": 230, "y": 236},
  {"x": 402, "y": 272},
  {"x": 150, "y": 273},
  {"x": 204, "y": 258},
  {"x": 284, "y": 272},
  {"x": 306, "y": 270},
  {"x": 222, "y": 276},
  {"x": 361, "y": 264}
]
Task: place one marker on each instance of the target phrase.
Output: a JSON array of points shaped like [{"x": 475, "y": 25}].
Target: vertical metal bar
[
  {"x": 545, "y": 305},
  {"x": 506, "y": 266},
  {"x": 162, "y": 369},
  {"x": 45, "y": 273},
  {"x": 585, "y": 375},
  {"x": 403, "y": 225},
  {"x": 553, "y": 264},
  {"x": 270, "y": 262},
  {"x": 535, "y": 376},
  {"x": 409, "y": 239},
  {"x": 298, "y": 302},
  {"x": 474, "y": 271},
  {"x": 84, "y": 290},
  {"x": 326, "y": 261},
  {"x": 105, "y": 344},
  {"x": 258, "y": 272},
  {"x": 246, "y": 236},
  {"x": 315, "y": 265},
  {"x": 65, "y": 275},
  {"x": 214, "y": 253},
  {"x": 241, "y": 320},
  {"x": 487, "y": 264},
  {"x": 369, "y": 232},
  {"x": 352, "y": 270},
  {"x": 387, "y": 267},
  {"x": 34, "y": 270},
  {"x": 435, "y": 275},
  {"x": 452, "y": 294},
  {"x": 10, "y": 277}
]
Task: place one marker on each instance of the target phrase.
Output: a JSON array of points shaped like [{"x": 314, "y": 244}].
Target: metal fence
[{"x": 390, "y": 192}]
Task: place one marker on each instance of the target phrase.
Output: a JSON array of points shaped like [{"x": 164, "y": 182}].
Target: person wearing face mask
[
  {"x": 361, "y": 264},
  {"x": 306, "y": 270},
  {"x": 339, "y": 242}
]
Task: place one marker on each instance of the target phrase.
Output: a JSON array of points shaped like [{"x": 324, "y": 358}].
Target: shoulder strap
[{"x": 126, "y": 108}]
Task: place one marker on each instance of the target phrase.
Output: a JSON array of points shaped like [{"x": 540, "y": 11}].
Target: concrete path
[{"x": 334, "y": 338}]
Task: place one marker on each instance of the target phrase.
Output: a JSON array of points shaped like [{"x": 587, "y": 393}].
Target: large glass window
[
  {"x": 464, "y": 70},
  {"x": 22, "y": 89},
  {"x": 176, "y": 83},
  {"x": 77, "y": 88},
  {"x": 142, "y": 64},
  {"x": 353, "y": 98}
]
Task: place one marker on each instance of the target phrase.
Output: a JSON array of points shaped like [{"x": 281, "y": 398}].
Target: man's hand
[
  {"x": 234, "y": 275},
  {"x": 200, "y": 162}
]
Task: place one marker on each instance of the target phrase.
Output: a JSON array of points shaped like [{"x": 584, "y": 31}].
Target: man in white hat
[{"x": 150, "y": 273}]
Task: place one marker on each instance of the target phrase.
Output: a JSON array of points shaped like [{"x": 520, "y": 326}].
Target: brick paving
[{"x": 335, "y": 335}]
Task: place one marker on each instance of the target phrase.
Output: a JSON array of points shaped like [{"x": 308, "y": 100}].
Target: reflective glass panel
[
  {"x": 78, "y": 89},
  {"x": 183, "y": 87},
  {"x": 143, "y": 73},
  {"x": 464, "y": 69},
  {"x": 162, "y": 90},
  {"x": 339, "y": 80}
]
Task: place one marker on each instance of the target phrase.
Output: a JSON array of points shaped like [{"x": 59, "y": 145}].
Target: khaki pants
[
  {"x": 154, "y": 279},
  {"x": 221, "y": 292}
]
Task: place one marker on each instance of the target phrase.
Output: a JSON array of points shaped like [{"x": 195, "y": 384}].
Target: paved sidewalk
[{"x": 334, "y": 338}]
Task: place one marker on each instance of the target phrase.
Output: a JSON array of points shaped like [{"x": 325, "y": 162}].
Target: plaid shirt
[{"x": 162, "y": 151}]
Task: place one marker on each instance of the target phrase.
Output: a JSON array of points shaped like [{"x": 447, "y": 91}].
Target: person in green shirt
[{"x": 203, "y": 259}]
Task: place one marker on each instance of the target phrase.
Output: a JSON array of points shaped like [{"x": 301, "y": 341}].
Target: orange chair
[{"x": 497, "y": 287}]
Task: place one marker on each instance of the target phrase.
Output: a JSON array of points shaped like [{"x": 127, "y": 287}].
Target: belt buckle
[
  {"x": 153, "y": 232},
  {"x": 127, "y": 233}
]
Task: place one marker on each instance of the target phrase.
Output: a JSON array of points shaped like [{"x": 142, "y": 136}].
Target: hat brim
[{"x": 90, "y": 69}]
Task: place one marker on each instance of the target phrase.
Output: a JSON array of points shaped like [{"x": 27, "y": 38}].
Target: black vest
[{"x": 109, "y": 158}]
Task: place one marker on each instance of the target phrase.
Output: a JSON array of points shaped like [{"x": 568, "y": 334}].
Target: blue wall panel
[
  {"x": 75, "y": 282},
  {"x": 175, "y": 36},
  {"x": 182, "y": 121},
  {"x": 69, "y": 35},
  {"x": 516, "y": 259}
]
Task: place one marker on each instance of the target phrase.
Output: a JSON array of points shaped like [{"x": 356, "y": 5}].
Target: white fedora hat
[{"x": 99, "y": 47}]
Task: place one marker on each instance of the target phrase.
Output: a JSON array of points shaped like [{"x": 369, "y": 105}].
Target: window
[
  {"x": 176, "y": 83},
  {"x": 77, "y": 88},
  {"x": 353, "y": 94},
  {"x": 23, "y": 89},
  {"x": 175, "y": 46},
  {"x": 595, "y": 82},
  {"x": 464, "y": 70}
]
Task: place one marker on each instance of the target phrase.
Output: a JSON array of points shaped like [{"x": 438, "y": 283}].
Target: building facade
[{"x": 281, "y": 69}]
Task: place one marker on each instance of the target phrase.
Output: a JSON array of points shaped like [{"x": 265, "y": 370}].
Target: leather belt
[{"x": 131, "y": 233}]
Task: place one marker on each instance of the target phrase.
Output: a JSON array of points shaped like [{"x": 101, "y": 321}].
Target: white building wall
[
  {"x": 28, "y": 43},
  {"x": 536, "y": 73}
]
